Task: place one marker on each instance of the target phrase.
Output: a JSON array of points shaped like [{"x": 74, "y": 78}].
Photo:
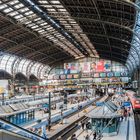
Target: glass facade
[
  {"x": 13, "y": 65},
  {"x": 133, "y": 60}
]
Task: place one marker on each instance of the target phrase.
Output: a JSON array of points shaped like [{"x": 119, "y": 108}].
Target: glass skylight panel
[
  {"x": 41, "y": 30},
  {"x": 36, "y": 26},
  {"x": 31, "y": 24},
  {"x": 54, "y": 2},
  {"x": 43, "y": 33},
  {"x": 13, "y": 2},
  {"x": 52, "y": 10},
  {"x": 19, "y": 6},
  {"x": 28, "y": 22},
  {"x": 7, "y": 10},
  {"x": 28, "y": 13},
  {"x": 37, "y": 29},
  {"x": 18, "y": 16},
  {"x": 48, "y": 6},
  {"x": 3, "y": 6},
  {"x": 23, "y": 10},
  {"x": 43, "y": 1},
  {"x": 44, "y": 23},
  {"x": 39, "y": 22}
]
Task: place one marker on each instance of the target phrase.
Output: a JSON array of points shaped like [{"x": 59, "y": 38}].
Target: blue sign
[
  {"x": 99, "y": 103},
  {"x": 110, "y": 74},
  {"x": 119, "y": 92},
  {"x": 45, "y": 106},
  {"x": 126, "y": 104}
]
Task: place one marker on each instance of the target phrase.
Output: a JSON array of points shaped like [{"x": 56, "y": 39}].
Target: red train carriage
[{"x": 135, "y": 100}]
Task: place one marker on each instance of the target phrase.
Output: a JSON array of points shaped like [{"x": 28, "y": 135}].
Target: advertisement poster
[
  {"x": 74, "y": 67},
  {"x": 100, "y": 66},
  {"x": 107, "y": 65},
  {"x": 85, "y": 67},
  {"x": 93, "y": 67},
  {"x": 71, "y": 68},
  {"x": 67, "y": 68}
]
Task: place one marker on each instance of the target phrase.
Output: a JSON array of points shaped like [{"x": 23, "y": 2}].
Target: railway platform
[
  {"x": 55, "y": 114},
  {"x": 71, "y": 124},
  {"x": 126, "y": 131}
]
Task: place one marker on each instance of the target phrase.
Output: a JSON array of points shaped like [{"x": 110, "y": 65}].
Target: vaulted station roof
[{"x": 52, "y": 31}]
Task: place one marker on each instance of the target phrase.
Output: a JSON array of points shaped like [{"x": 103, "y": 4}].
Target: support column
[
  {"x": 138, "y": 81},
  {"x": 49, "y": 119},
  {"x": 27, "y": 87}
]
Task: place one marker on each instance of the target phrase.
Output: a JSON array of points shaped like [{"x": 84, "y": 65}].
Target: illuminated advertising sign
[
  {"x": 56, "y": 77},
  {"x": 110, "y": 74},
  {"x": 85, "y": 75},
  {"x": 124, "y": 74},
  {"x": 117, "y": 74},
  {"x": 96, "y": 75},
  {"x": 69, "y": 76},
  {"x": 75, "y": 76},
  {"x": 85, "y": 67},
  {"x": 102, "y": 75},
  {"x": 62, "y": 77}
]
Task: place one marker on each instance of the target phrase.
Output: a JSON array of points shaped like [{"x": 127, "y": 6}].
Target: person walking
[
  {"x": 125, "y": 114},
  {"x": 87, "y": 137},
  {"x": 73, "y": 137},
  {"x": 83, "y": 125},
  {"x": 94, "y": 135}
]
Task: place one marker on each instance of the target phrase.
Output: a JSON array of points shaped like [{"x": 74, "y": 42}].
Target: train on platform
[{"x": 135, "y": 100}]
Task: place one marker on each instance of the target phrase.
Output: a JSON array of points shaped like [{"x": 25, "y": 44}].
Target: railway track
[
  {"x": 73, "y": 113},
  {"x": 65, "y": 134},
  {"x": 137, "y": 125}
]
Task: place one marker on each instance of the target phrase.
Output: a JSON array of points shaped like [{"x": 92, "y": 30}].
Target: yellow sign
[{"x": 1, "y": 90}]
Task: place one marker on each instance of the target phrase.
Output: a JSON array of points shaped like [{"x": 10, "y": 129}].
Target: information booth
[{"x": 105, "y": 119}]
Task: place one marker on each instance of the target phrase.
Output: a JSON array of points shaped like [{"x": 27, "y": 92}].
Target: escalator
[{"x": 10, "y": 131}]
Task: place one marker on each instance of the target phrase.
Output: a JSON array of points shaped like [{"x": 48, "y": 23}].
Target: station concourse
[{"x": 69, "y": 69}]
